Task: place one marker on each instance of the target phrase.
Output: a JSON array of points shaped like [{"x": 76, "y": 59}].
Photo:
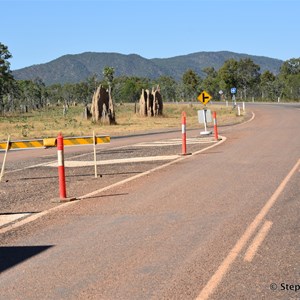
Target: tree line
[{"x": 244, "y": 75}]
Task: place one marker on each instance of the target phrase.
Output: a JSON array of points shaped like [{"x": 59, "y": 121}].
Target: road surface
[{"x": 223, "y": 224}]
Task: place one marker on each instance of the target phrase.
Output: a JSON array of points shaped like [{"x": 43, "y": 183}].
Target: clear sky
[{"x": 39, "y": 31}]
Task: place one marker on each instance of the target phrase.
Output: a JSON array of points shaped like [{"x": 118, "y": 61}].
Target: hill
[{"x": 77, "y": 67}]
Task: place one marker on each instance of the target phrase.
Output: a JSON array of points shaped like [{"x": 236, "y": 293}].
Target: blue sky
[{"x": 39, "y": 31}]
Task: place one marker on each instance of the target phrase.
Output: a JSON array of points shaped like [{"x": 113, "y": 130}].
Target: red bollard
[
  {"x": 215, "y": 125},
  {"x": 183, "y": 130},
  {"x": 61, "y": 167}
]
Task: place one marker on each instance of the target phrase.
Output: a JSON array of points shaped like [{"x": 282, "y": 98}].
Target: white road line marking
[
  {"x": 175, "y": 142},
  {"x": 72, "y": 164},
  {"x": 217, "y": 277},
  {"x": 34, "y": 217},
  {"x": 252, "y": 249},
  {"x": 8, "y": 218},
  {"x": 29, "y": 167}
]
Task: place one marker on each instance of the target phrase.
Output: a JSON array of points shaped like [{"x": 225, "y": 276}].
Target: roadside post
[
  {"x": 61, "y": 167},
  {"x": 95, "y": 154},
  {"x": 221, "y": 93},
  {"x": 61, "y": 172},
  {"x": 183, "y": 131},
  {"x": 215, "y": 125},
  {"x": 4, "y": 159},
  {"x": 233, "y": 92}
]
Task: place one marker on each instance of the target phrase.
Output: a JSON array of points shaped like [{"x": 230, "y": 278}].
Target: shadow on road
[{"x": 13, "y": 255}]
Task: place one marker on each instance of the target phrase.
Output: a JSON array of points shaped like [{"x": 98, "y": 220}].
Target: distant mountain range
[{"x": 77, "y": 67}]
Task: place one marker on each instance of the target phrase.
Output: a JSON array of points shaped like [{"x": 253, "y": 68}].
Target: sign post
[
  {"x": 233, "y": 92},
  {"x": 221, "y": 93},
  {"x": 95, "y": 153},
  {"x": 204, "y": 98}
]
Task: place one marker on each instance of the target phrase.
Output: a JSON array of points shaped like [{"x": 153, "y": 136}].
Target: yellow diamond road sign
[{"x": 204, "y": 97}]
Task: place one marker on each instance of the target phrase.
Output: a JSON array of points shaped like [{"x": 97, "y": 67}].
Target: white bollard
[
  {"x": 95, "y": 154},
  {"x": 239, "y": 110},
  {"x": 243, "y": 106},
  {"x": 4, "y": 159}
]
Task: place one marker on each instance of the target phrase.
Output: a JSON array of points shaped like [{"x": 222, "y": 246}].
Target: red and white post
[
  {"x": 183, "y": 131},
  {"x": 61, "y": 167},
  {"x": 215, "y": 125}
]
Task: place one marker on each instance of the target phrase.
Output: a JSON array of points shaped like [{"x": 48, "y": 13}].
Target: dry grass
[{"x": 49, "y": 123}]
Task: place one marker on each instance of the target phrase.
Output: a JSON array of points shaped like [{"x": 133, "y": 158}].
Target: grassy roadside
[{"x": 49, "y": 122}]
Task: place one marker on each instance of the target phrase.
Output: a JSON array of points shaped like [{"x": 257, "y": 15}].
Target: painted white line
[
  {"x": 175, "y": 142},
  {"x": 223, "y": 139},
  {"x": 169, "y": 144},
  {"x": 38, "y": 215},
  {"x": 251, "y": 251},
  {"x": 215, "y": 280},
  {"x": 26, "y": 168},
  {"x": 8, "y": 218},
  {"x": 34, "y": 217},
  {"x": 72, "y": 164},
  {"x": 46, "y": 163}
]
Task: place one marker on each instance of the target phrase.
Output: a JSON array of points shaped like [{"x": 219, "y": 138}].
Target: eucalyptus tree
[
  {"x": 167, "y": 86},
  {"x": 55, "y": 93},
  {"x": 211, "y": 83},
  {"x": 290, "y": 76},
  {"x": 31, "y": 93},
  {"x": 6, "y": 77},
  {"x": 92, "y": 83},
  {"x": 68, "y": 92},
  {"x": 267, "y": 80},
  {"x": 40, "y": 93},
  {"x": 248, "y": 76},
  {"x": 108, "y": 74},
  {"x": 11, "y": 100},
  {"x": 290, "y": 67},
  {"x": 81, "y": 93},
  {"x": 228, "y": 75},
  {"x": 243, "y": 74},
  {"x": 128, "y": 89},
  {"x": 191, "y": 83}
]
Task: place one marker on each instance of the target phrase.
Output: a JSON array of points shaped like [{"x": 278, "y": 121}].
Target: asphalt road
[{"x": 223, "y": 224}]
